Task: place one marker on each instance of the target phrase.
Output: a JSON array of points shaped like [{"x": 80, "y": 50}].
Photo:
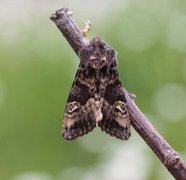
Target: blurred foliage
[{"x": 37, "y": 68}]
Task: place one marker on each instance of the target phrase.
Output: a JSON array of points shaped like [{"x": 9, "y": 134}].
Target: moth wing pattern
[
  {"x": 96, "y": 96},
  {"x": 115, "y": 120},
  {"x": 82, "y": 111},
  {"x": 77, "y": 122}
]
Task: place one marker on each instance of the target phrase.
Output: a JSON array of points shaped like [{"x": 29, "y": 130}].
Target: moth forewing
[{"x": 96, "y": 97}]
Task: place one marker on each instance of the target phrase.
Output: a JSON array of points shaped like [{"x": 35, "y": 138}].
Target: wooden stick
[
  {"x": 175, "y": 165},
  {"x": 69, "y": 29}
]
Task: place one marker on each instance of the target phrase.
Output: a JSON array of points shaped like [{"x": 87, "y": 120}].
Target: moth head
[{"x": 97, "y": 54}]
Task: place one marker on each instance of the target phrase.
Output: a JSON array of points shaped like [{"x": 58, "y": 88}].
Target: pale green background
[{"x": 37, "y": 67}]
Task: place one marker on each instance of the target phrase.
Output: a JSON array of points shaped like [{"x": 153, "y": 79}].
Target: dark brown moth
[{"x": 96, "y": 97}]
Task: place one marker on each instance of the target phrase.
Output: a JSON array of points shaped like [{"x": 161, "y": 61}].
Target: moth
[{"x": 96, "y": 97}]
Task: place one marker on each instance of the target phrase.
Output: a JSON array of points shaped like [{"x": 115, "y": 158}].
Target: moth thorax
[{"x": 97, "y": 62}]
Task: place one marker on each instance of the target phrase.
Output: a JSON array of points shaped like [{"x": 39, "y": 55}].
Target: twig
[
  {"x": 69, "y": 28},
  {"x": 175, "y": 165}
]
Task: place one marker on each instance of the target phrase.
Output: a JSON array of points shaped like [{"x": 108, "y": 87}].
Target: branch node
[{"x": 172, "y": 160}]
